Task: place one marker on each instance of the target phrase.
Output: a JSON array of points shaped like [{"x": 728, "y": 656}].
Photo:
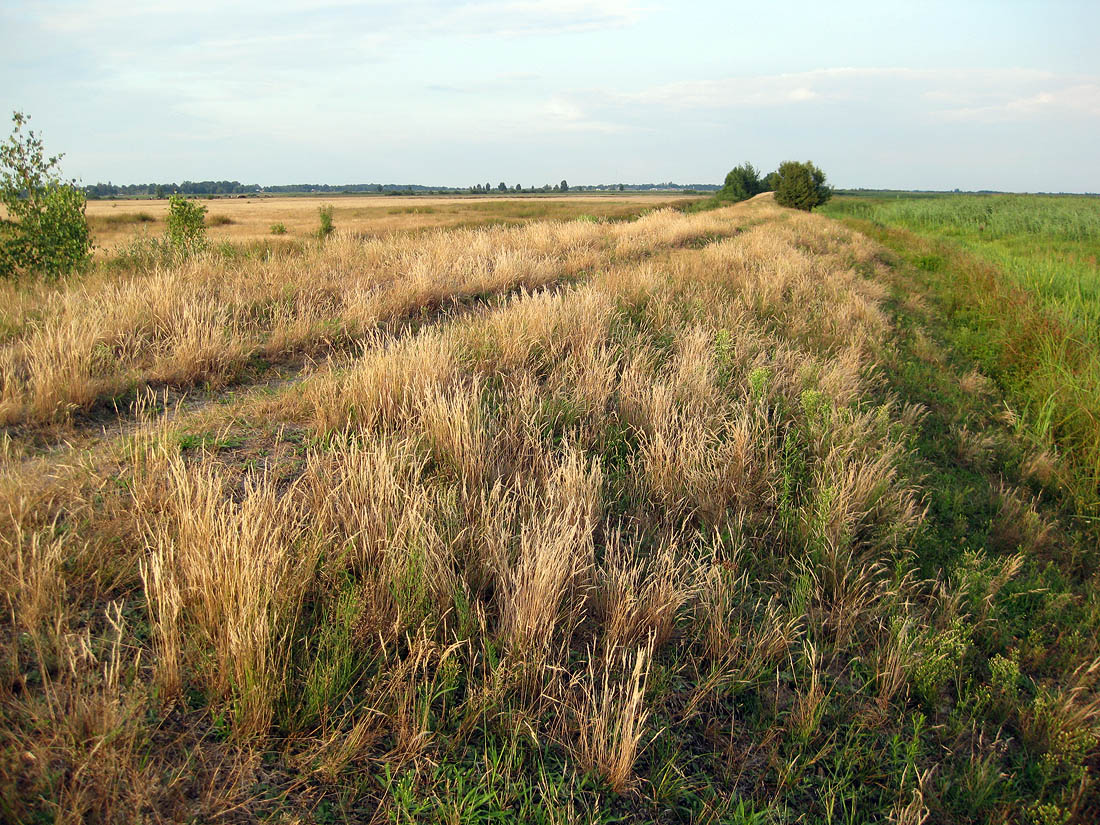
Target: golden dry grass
[
  {"x": 644, "y": 505},
  {"x": 116, "y": 222},
  {"x": 206, "y": 318}
]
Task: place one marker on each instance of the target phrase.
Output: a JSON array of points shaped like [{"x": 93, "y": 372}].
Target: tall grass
[
  {"x": 1046, "y": 348},
  {"x": 208, "y": 317},
  {"x": 1048, "y": 244},
  {"x": 637, "y": 546}
]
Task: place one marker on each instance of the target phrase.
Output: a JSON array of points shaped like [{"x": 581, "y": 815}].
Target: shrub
[
  {"x": 278, "y": 229},
  {"x": 221, "y": 220},
  {"x": 327, "y": 225},
  {"x": 186, "y": 225},
  {"x": 801, "y": 185},
  {"x": 742, "y": 183},
  {"x": 46, "y": 233}
]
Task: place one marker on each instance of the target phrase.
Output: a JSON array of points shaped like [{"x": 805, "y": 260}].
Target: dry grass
[
  {"x": 648, "y": 508},
  {"x": 207, "y": 318},
  {"x": 242, "y": 220}
]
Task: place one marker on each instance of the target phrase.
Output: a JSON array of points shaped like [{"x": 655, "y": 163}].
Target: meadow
[
  {"x": 1021, "y": 274},
  {"x": 115, "y": 223},
  {"x": 715, "y": 517}
]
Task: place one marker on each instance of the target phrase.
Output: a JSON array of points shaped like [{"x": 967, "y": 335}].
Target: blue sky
[{"x": 969, "y": 94}]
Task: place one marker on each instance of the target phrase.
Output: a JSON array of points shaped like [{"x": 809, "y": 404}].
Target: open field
[
  {"x": 714, "y": 518},
  {"x": 250, "y": 219},
  {"x": 1041, "y": 345}
]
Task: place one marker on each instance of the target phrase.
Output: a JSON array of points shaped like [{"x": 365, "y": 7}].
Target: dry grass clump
[
  {"x": 572, "y": 544},
  {"x": 205, "y": 318}
]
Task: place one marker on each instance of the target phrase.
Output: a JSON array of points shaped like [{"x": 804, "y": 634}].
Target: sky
[{"x": 973, "y": 94}]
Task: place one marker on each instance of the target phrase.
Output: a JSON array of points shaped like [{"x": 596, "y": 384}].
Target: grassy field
[
  {"x": 723, "y": 517},
  {"x": 1043, "y": 345},
  {"x": 115, "y": 223}
]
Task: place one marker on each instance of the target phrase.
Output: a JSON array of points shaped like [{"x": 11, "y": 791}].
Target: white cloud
[
  {"x": 561, "y": 114},
  {"x": 982, "y": 94},
  {"x": 497, "y": 18},
  {"x": 1081, "y": 98}
]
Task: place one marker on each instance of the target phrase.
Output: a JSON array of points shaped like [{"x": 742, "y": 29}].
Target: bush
[
  {"x": 278, "y": 229},
  {"x": 186, "y": 225},
  {"x": 801, "y": 185},
  {"x": 46, "y": 233},
  {"x": 742, "y": 183},
  {"x": 327, "y": 226}
]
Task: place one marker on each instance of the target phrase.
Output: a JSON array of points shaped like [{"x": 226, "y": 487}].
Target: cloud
[
  {"x": 562, "y": 114},
  {"x": 946, "y": 94},
  {"x": 1081, "y": 98},
  {"x": 407, "y": 18}
]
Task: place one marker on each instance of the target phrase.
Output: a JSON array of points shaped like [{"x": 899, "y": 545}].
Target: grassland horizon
[{"x": 558, "y": 510}]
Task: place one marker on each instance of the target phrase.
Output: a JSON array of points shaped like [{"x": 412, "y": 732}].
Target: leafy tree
[
  {"x": 771, "y": 181},
  {"x": 801, "y": 185},
  {"x": 742, "y": 183},
  {"x": 519, "y": 188},
  {"x": 46, "y": 232},
  {"x": 327, "y": 226},
  {"x": 186, "y": 225},
  {"x": 564, "y": 186},
  {"x": 502, "y": 186}
]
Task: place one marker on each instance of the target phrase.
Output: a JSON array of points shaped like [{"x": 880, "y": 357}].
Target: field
[
  {"x": 737, "y": 516},
  {"x": 1043, "y": 346},
  {"x": 117, "y": 222}
]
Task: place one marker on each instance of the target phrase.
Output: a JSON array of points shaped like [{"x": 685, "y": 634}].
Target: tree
[
  {"x": 564, "y": 186},
  {"x": 327, "y": 226},
  {"x": 502, "y": 186},
  {"x": 46, "y": 232},
  {"x": 801, "y": 185},
  {"x": 771, "y": 181},
  {"x": 186, "y": 225},
  {"x": 742, "y": 183}
]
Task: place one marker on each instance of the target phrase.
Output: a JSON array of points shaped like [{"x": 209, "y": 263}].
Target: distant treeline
[{"x": 233, "y": 187}]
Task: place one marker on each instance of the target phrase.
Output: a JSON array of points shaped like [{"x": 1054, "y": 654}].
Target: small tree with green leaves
[
  {"x": 186, "y": 225},
  {"x": 801, "y": 185},
  {"x": 327, "y": 226},
  {"x": 742, "y": 183},
  {"x": 46, "y": 231}
]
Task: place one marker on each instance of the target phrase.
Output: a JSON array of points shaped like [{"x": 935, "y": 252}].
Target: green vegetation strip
[{"x": 1018, "y": 281}]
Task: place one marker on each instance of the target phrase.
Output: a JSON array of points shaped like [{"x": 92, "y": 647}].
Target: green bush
[
  {"x": 742, "y": 183},
  {"x": 278, "y": 229},
  {"x": 801, "y": 185},
  {"x": 46, "y": 232},
  {"x": 186, "y": 225},
  {"x": 327, "y": 226}
]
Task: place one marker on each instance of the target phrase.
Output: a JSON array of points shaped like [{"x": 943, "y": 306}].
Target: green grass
[
  {"x": 123, "y": 219},
  {"x": 1048, "y": 244},
  {"x": 1019, "y": 278}
]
